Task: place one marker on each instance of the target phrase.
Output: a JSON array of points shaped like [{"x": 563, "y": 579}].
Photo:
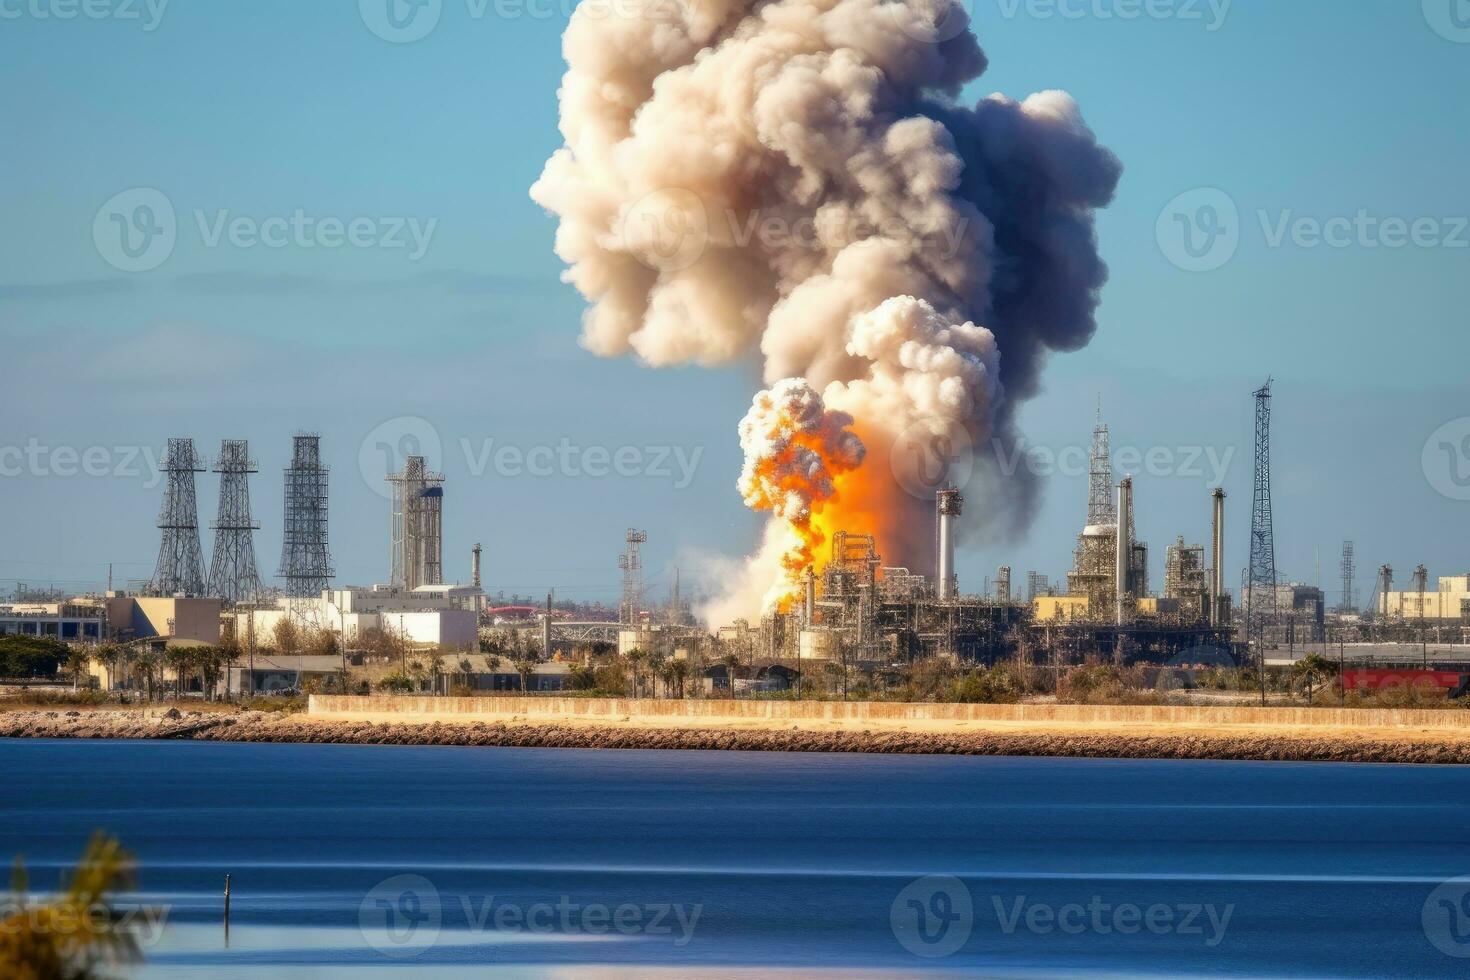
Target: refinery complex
[{"x": 851, "y": 607}]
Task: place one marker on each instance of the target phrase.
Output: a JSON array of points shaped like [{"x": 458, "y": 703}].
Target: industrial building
[
  {"x": 430, "y": 615},
  {"x": 1446, "y": 605}
]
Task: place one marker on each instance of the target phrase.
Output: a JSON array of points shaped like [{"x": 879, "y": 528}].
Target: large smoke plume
[{"x": 795, "y": 179}]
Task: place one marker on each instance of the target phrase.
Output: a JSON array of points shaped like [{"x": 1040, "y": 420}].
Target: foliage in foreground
[{"x": 75, "y": 935}]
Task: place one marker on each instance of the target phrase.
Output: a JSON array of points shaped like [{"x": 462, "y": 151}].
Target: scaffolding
[
  {"x": 306, "y": 563},
  {"x": 416, "y": 537},
  {"x": 180, "y": 567},
  {"x": 232, "y": 574}
]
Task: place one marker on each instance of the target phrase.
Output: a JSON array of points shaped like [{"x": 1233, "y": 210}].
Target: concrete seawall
[{"x": 878, "y": 715}]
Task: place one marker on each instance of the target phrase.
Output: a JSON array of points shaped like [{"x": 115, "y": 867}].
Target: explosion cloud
[
  {"x": 794, "y": 447},
  {"x": 796, "y": 180}
]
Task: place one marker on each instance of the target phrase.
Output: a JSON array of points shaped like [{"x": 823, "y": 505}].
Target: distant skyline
[{"x": 352, "y": 251}]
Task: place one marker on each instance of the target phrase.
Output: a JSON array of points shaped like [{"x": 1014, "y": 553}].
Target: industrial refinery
[{"x": 852, "y": 606}]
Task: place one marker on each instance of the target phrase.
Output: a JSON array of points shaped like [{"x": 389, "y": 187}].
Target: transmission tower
[
  {"x": 232, "y": 575},
  {"x": 632, "y": 565},
  {"x": 180, "y": 565},
  {"x": 306, "y": 564},
  {"x": 1102, "y": 507},
  {"x": 1261, "y": 596},
  {"x": 1349, "y": 568}
]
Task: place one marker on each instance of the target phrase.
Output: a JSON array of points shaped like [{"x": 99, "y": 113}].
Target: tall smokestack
[
  {"x": 1385, "y": 586},
  {"x": 811, "y": 596},
  {"x": 949, "y": 504},
  {"x": 475, "y": 565},
  {"x": 1217, "y": 559},
  {"x": 1125, "y": 547},
  {"x": 1003, "y": 585}
]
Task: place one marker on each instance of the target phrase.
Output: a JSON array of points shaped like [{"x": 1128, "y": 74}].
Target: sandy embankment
[{"x": 1263, "y": 742}]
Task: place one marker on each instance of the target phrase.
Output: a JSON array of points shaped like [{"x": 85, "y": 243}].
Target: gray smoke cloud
[{"x": 796, "y": 180}]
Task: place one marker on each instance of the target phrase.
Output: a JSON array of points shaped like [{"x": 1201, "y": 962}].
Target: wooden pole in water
[{"x": 227, "y": 910}]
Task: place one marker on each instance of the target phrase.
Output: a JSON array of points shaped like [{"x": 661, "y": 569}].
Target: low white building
[{"x": 430, "y": 615}]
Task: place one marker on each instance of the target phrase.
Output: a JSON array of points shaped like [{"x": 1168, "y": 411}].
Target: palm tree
[
  {"x": 181, "y": 661},
  {"x": 732, "y": 663},
  {"x": 127, "y": 659},
  {"x": 678, "y": 670},
  {"x": 636, "y": 657},
  {"x": 146, "y": 661},
  {"x": 107, "y": 656},
  {"x": 77, "y": 659},
  {"x": 655, "y": 669},
  {"x": 1312, "y": 670}
]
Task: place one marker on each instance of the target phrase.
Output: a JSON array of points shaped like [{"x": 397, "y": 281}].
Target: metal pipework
[
  {"x": 1003, "y": 585},
  {"x": 1124, "y": 548},
  {"x": 811, "y": 596},
  {"x": 949, "y": 504}
]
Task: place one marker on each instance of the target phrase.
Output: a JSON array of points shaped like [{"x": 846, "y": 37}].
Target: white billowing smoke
[{"x": 795, "y": 179}]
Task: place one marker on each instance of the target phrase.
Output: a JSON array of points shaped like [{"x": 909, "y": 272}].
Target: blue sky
[{"x": 1298, "y": 112}]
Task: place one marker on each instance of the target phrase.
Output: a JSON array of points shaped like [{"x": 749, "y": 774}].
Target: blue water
[{"x": 731, "y": 864}]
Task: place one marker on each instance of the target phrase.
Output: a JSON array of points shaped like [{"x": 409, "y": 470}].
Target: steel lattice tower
[
  {"x": 180, "y": 565},
  {"x": 1261, "y": 597},
  {"x": 632, "y": 565},
  {"x": 416, "y": 536},
  {"x": 232, "y": 574},
  {"x": 306, "y": 564},
  {"x": 1349, "y": 568},
  {"x": 1102, "y": 509}
]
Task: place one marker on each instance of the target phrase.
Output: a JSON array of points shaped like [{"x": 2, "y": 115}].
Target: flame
[{"x": 796, "y": 453}]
